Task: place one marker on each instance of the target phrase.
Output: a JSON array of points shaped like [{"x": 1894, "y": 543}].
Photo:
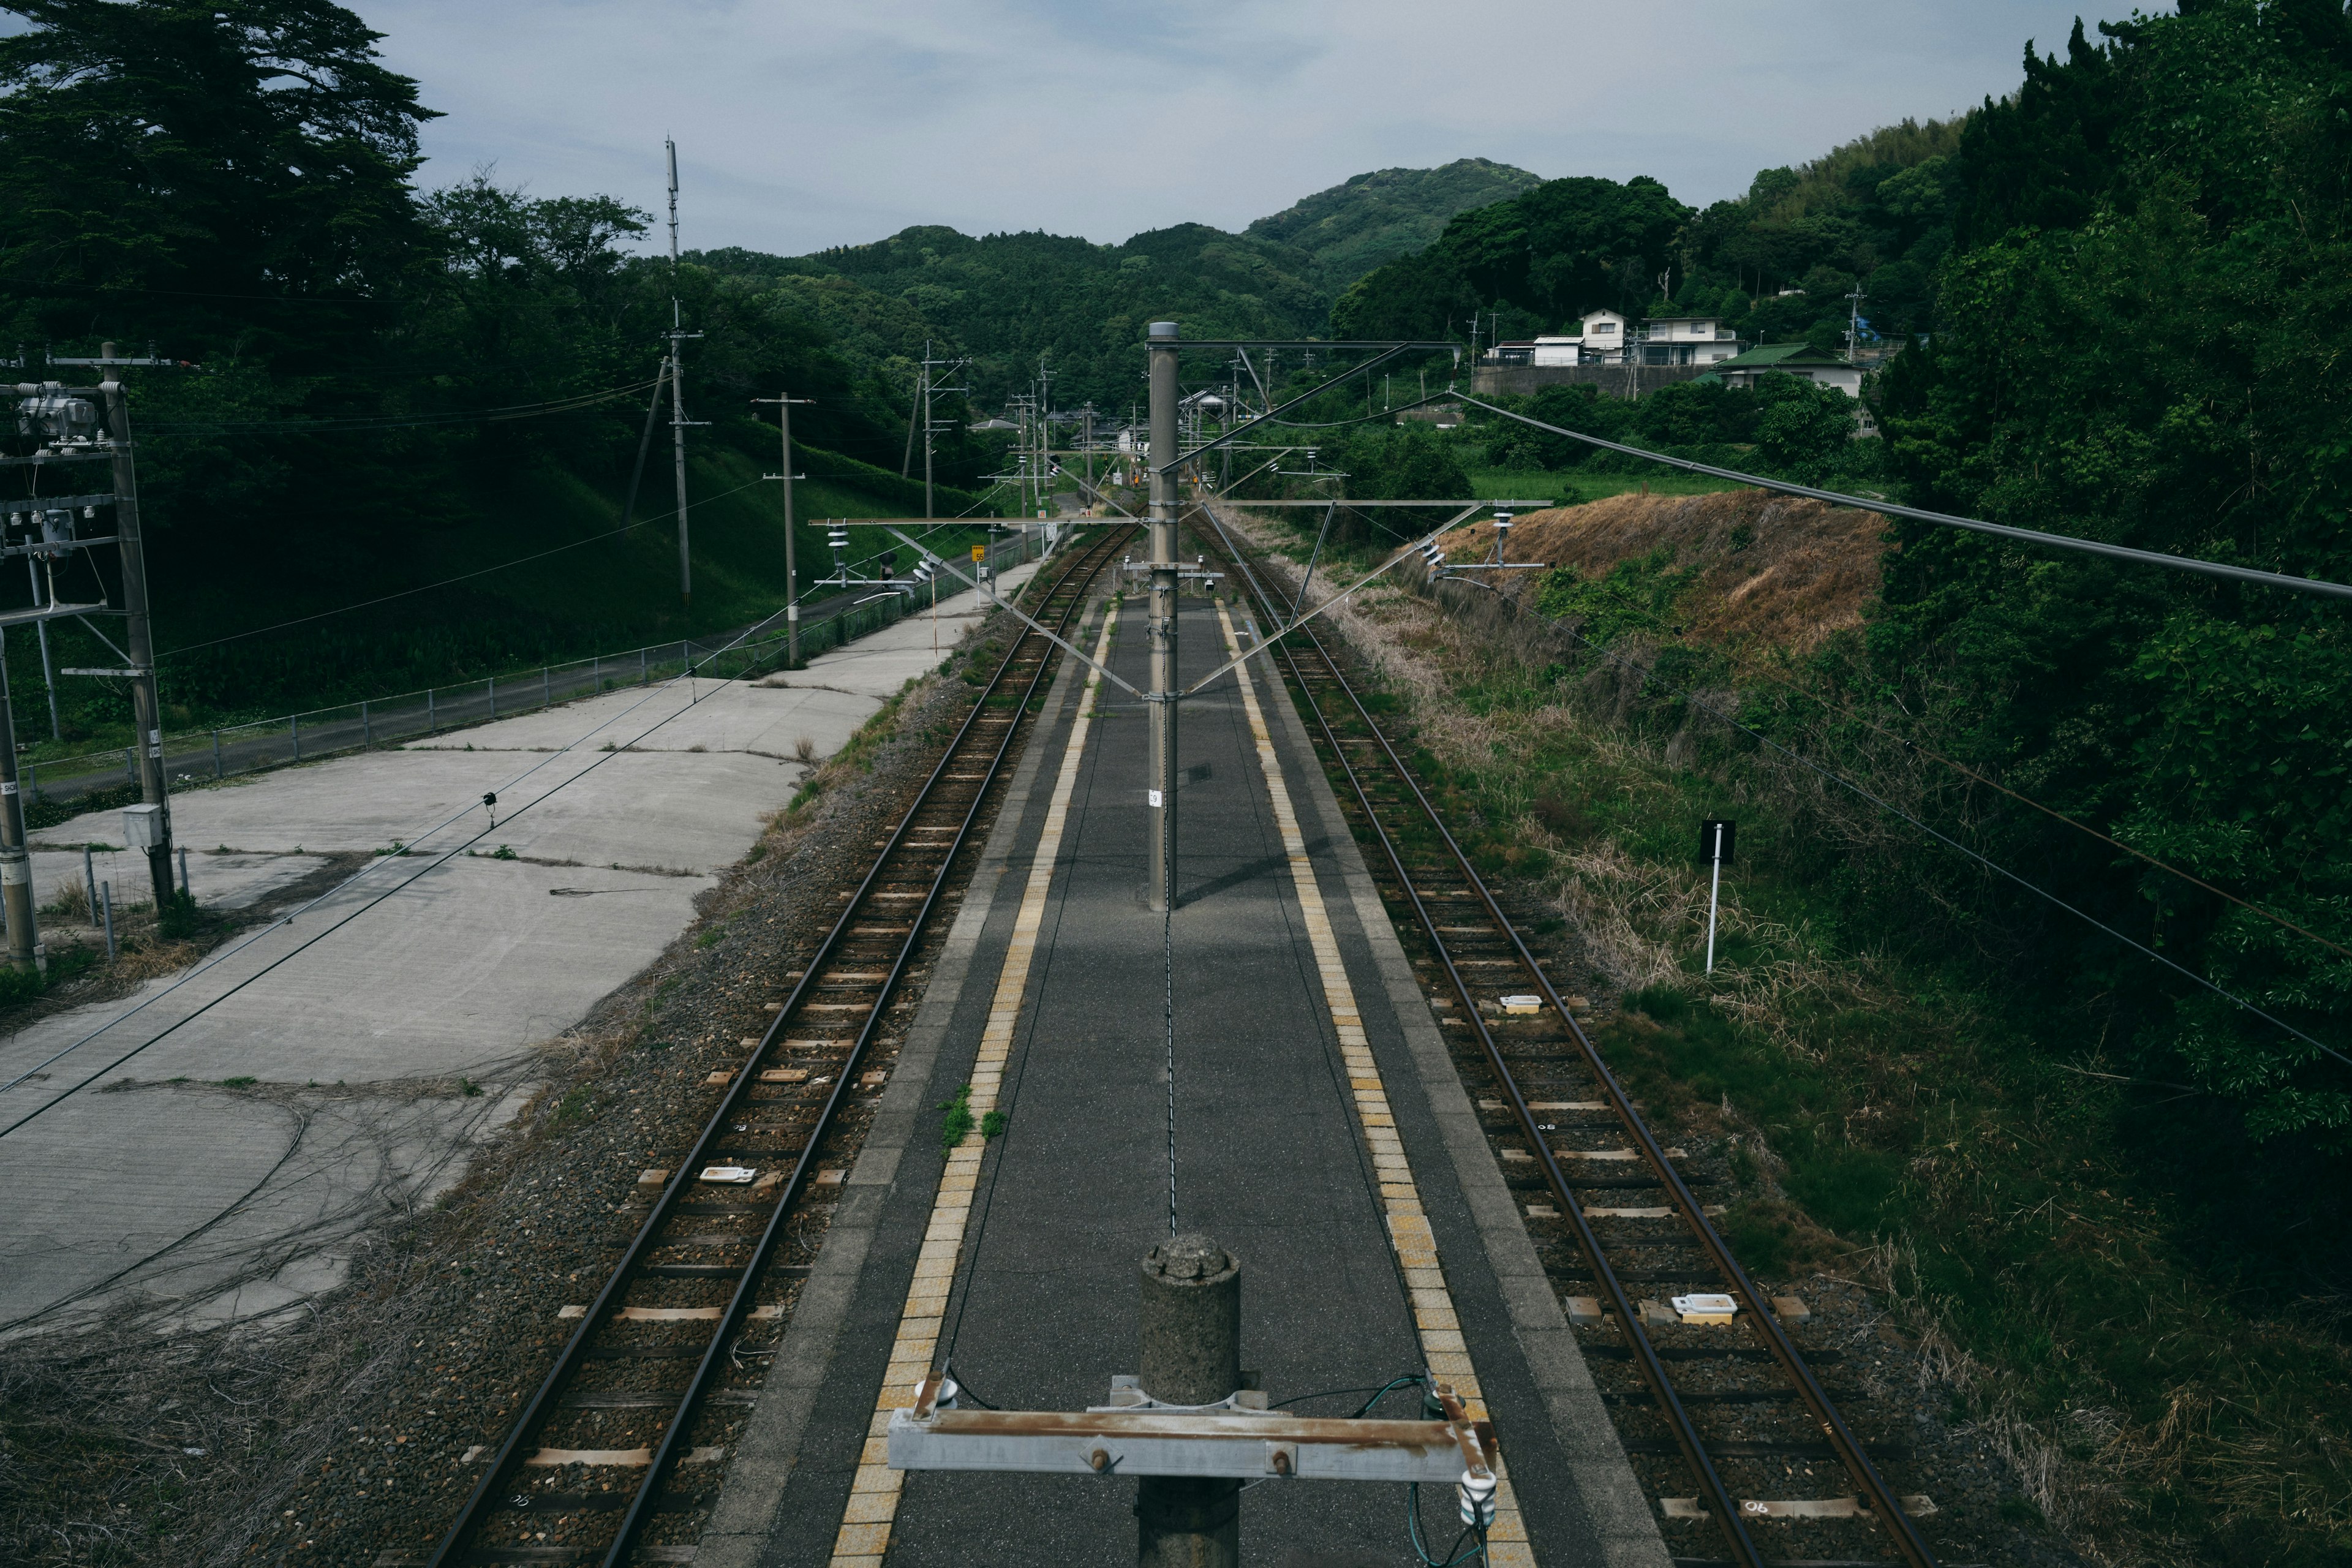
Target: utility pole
[
  {"x": 25, "y": 949},
  {"x": 1161, "y": 622},
  {"x": 677, "y": 421},
  {"x": 791, "y": 579},
  {"x": 48, "y": 670},
  {"x": 146, "y": 710},
  {"x": 928, "y": 363},
  {"x": 1192, "y": 1348}
]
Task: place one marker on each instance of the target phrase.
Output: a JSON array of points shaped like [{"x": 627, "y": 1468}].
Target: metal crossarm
[{"x": 1224, "y": 1440}]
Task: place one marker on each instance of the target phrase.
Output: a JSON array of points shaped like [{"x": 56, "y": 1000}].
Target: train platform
[{"x": 1321, "y": 1134}]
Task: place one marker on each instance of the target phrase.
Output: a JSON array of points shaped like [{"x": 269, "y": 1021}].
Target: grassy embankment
[
  {"x": 593, "y": 594},
  {"x": 1902, "y": 1115},
  {"x": 1574, "y": 489}
]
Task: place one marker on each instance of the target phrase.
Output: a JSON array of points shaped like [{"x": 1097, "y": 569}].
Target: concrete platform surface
[
  {"x": 225, "y": 1165},
  {"x": 1268, "y": 1160}
]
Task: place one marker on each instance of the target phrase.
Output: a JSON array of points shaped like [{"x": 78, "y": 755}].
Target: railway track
[
  {"x": 1698, "y": 1410},
  {"x": 618, "y": 1446}
]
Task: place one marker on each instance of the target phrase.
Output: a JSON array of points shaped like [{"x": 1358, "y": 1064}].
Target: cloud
[{"x": 802, "y": 125}]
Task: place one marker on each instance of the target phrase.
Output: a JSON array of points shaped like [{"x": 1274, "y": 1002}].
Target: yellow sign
[{"x": 980, "y": 553}]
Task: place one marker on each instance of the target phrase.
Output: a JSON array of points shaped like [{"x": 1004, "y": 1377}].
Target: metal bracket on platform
[{"x": 1235, "y": 1439}]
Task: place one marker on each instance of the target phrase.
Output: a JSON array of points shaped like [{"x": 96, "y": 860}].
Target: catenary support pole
[
  {"x": 90, "y": 880},
  {"x": 677, "y": 391},
  {"x": 25, "y": 949},
  {"x": 139, "y": 641},
  {"x": 791, "y": 575},
  {"x": 48, "y": 670},
  {"x": 1191, "y": 1354},
  {"x": 1160, "y": 624}
]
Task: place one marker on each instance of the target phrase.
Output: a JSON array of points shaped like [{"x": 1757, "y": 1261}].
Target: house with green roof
[{"x": 1792, "y": 359}]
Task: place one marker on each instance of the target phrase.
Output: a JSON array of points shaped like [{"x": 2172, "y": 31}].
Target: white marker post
[{"x": 1715, "y": 844}]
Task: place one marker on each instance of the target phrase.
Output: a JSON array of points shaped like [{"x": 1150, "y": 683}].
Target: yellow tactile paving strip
[
  {"x": 874, "y": 1495},
  {"x": 1442, "y": 1345}
]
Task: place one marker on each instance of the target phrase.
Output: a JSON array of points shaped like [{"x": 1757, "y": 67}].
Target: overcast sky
[{"x": 803, "y": 124}]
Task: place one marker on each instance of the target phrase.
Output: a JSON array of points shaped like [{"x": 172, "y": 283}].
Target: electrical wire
[
  {"x": 379, "y": 421},
  {"x": 1413, "y": 1530},
  {"x": 434, "y": 865},
  {"x": 1700, "y": 702},
  {"x": 1847, "y": 710},
  {"x": 449, "y": 582},
  {"x": 1947, "y": 519},
  {"x": 1363, "y": 418}
]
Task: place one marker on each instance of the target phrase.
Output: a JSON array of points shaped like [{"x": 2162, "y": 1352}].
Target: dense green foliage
[
  {"x": 1793, "y": 428},
  {"x": 1776, "y": 265},
  {"x": 2137, "y": 342},
  {"x": 1559, "y": 250},
  {"x": 1011, "y": 302},
  {"x": 231, "y": 182},
  {"x": 1373, "y": 219}
]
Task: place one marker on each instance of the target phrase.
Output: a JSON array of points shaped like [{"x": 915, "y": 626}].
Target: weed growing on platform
[{"x": 956, "y": 1125}]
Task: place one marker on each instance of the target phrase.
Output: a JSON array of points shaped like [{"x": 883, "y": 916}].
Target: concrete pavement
[
  {"x": 226, "y": 1164},
  {"x": 1304, "y": 1056}
]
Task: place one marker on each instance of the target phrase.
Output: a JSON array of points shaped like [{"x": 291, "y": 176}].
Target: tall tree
[{"x": 223, "y": 170}]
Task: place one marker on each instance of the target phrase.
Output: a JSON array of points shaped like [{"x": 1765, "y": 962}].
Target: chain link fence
[{"x": 198, "y": 755}]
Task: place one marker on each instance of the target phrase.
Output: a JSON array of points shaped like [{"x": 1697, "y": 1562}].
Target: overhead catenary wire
[
  {"x": 1947, "y": 519},
  {"x": 433, "y": 865},
  {"x": 2050, "y": 811},
  {"x": 448, "y": 582},
  {"x": 397, "y": 422},
  {"x": 1700, "y": 702}
]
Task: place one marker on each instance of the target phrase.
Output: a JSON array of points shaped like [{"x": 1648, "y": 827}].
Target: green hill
[{"x": 1372, "y": 219}]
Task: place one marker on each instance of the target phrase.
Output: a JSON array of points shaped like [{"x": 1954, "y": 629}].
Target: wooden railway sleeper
[
  {"x": 480, "y": 1503},
  {"x": 1876, "y": 1494}
]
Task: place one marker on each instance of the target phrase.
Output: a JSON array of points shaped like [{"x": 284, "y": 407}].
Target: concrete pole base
[{"x": 1184, "y": 1522}]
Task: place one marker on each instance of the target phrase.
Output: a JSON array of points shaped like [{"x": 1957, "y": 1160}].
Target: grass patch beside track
[{"x": 1899, "y": 1117}]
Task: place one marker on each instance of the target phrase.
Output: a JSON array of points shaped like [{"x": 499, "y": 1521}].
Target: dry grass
[
  {"x": 1775, "y": 573},
  {"x": 2240, "y": 1440},
  {"x": 69, "y": 900}
]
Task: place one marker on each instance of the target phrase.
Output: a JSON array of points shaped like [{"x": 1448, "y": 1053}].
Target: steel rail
[
  {"x": 1881, "y": 1498},
  {"x": 1724, "y": 1506},
  {"x": 478, "y": 1505}
]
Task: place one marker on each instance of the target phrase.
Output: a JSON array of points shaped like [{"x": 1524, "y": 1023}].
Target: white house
[
  {"x": 1687, "y": 339},
  {"x": 1605, "y": 337},
  {"x": 1800, "y": 360}
]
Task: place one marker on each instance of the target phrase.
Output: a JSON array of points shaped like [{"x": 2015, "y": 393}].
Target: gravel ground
[
  {"x": 1891, "y": 1383},
  {"x": 340, "y": 1436}
]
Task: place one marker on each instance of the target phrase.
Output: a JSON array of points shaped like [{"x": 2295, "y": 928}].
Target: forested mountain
[
  {"x": 1776, "y": 265},
  {"x": 234, "y": 184},
  {"x": 1372, "y": 219},
  {"x": 1008, "y": 299},
  {"x": 2121, "y": 289}
]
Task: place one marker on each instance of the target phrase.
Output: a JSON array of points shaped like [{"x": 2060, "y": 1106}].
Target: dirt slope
[{"x": 1773, "y": 570}]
